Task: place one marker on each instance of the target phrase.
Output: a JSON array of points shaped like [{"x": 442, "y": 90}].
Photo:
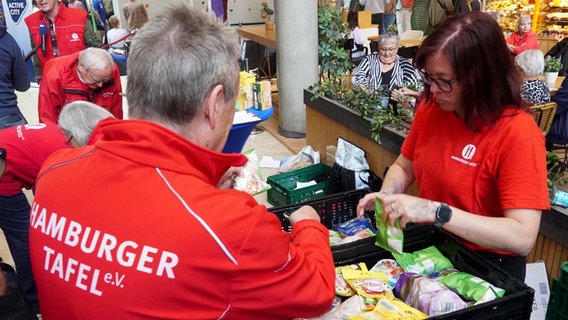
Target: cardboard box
[{"x": 537, "y": 279}]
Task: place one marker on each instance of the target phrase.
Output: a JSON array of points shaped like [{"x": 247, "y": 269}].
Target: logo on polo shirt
[
  {"x": 74, "y": 37},
  {"x": 467, "y": 154}
]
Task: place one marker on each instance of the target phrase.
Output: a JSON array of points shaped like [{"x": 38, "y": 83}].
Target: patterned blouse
[
  {"x": 535, "y": 92},
  {"x": 369, "y": 74}
]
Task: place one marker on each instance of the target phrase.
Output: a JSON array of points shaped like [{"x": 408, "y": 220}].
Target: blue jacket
[{"x": 13, "y": 73}]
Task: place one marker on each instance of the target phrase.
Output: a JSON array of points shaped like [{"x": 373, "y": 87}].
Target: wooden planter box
[{"x": 327, "y": 120}]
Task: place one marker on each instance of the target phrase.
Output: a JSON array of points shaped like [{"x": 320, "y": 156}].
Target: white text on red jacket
[{"x": 105, "y": 246}]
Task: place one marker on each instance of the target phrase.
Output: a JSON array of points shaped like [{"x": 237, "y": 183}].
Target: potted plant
[
  {"x": 551, "y": 68},
  {"x": 556, "y": 177},
  {"x": 267, "y": 12}
]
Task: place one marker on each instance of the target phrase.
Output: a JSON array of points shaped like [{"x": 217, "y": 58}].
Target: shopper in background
[
  {"x": 377, "y": 9},
  {"x": 90, "y": 75},
  {"x": 385, "y": 68},
  {"x": 77, "y": 4},
  {"x": 560, "y": 51},
  {"x": 13, "y": 76},
  {"x": 474, "y": 151},
  {"x": 116, "y": 33},
  {"x": 168, "y": 233},
  {"x": 27, "y": 147},
  {"x": 531, "y": 64},
  {"x": 405, "y": 15},
  {"x": 390, "y": 15},
  {"x": 439, "y": 11},
  {"x": 135, "y": 13},
  {"x": 64, "y": 31},
  {"x": 78, "y": 121},
  {"x": 101, "y": 18},
  {"x": 523, "y": 38}
]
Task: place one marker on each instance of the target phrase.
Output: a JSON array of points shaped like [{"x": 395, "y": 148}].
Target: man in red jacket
[
  {"x": 24, "y": 148},
  {"x": 62, "y": 31},
  {"x": 90, "y": 75},
  {"x": 136, "y": 227}
]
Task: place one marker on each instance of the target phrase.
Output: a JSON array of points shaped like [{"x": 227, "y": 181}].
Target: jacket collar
[{"x": 155, "y": 146}]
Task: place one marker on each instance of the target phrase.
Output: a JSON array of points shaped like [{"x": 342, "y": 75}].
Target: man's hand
[{"x": 305, "y": 212}]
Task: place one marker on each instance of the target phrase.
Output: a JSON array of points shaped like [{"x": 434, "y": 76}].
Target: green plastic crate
[
  {"x": 284, "y": 185},
  {"x": 558, "y": 302}
]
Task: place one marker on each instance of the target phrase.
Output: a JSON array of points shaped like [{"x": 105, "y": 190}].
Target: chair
[
  {"x": 543, "y": 114},
  {"x": 412, "y": 34},
  {"x": 353, "y": 56}
]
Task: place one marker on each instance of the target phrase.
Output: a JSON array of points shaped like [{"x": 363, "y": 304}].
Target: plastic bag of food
[
  {"x": 389, "y": 237},
  {"x": 342, "y": 288},
  {"x": 355, "y": 225},
  {"x": 369, "y": 285},
  {"x": 471, "y": 287},
  {"x": 390, "y": 268},
  {"x": 395, "y": 309},
  {"x": 423, "y": 261},
  {"x": 249, "y": 178}
]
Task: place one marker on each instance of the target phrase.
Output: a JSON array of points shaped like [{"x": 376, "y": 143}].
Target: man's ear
[{"x": 214, "y": 105}]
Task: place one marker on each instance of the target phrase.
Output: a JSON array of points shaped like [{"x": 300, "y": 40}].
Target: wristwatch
[{"x": 443, "y": 215}]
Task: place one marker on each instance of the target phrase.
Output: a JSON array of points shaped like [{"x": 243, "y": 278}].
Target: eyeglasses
[
  {"x": 92, "y": 80},
  {"x": 68, "y": 142},
  {"x": 385, "y": 50},
  {"x": 3, "y": 153},
  {"x": 443, "y": 85}
]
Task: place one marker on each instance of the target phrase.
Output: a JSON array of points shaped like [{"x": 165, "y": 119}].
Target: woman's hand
[
  {"x": 399, "y": 94},
  {"x": 408, "y": 209}
]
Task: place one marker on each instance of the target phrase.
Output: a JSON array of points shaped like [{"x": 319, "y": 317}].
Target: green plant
[
  {"x": 552, "y": 65},
  {"x": 334, "y": 59},
  {"x": 266, "y": 11},
  {"x": 556, "y": 170}
]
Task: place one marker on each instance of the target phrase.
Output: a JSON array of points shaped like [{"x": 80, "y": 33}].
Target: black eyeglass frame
[
  {"x": 3, "y": 153},
  {"x": 428, "y": 80}
]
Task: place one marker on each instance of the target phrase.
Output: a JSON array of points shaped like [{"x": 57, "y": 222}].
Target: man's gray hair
[
  {"x": 531, "y": 62},
  {"x": 174, "y": 63},
  {"x": 78, "y": 119},
  {"x": 96, "y": 58}
]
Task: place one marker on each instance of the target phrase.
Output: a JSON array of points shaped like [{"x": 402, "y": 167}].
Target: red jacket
[
  {"x": 134, "y": 227},
  {"x": 70, "y": 32},
  {"x": 61, "y": 85},
  {"x": 27, "y": 147},
  {"x": 522, "y": 43}
]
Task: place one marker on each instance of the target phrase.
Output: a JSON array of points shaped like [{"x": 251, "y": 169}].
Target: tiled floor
[{"x": 265, "y": 144}]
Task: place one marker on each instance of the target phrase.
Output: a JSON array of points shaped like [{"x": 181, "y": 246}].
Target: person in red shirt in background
[
  {"x": 90, "y": 75},
  {"x": 143, "y": 203},
  {"x": 523, "y": 38},
  {"x": 62, "y": 31},
  {"x": 26, "y": 146}
]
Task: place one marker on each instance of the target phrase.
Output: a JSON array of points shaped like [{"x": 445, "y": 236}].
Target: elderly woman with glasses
[
  {"x": 523, "y": 38},
  {"x": 386, "y": 69},
  {"x": 474, "y": 150}
]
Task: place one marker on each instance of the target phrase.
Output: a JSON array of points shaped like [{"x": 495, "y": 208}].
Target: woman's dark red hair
[{"x": 483, "y": 65}]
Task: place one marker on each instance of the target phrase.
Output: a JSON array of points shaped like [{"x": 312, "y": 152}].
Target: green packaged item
[
  {"x": 389, "y": 237},
  {"x": 471, "y": 287},
  {"x": 423, "y": 261}
]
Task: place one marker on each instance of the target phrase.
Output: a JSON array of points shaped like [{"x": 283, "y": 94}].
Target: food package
[
  {"x": 389, "y": 237},
  {"x": 369, "y": 285},
  {"x": 249, "y": 178},
  {"x": 245, "y": 84},
  {"x": 471, "y": 287},
  {"x": 342, "y": 288},
  {"x": 425, "y": 261},
  {"x": 390, "y": 268}
]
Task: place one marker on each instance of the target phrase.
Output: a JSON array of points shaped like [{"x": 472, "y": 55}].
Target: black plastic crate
[
  {"x": 515, "y": 304},
  {"x": 334, "y": 210}
]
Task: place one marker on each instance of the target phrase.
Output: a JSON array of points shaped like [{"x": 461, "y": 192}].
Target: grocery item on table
[
  {"x": 423, "y": 261},
  {"x": 471, "y": 287}
]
